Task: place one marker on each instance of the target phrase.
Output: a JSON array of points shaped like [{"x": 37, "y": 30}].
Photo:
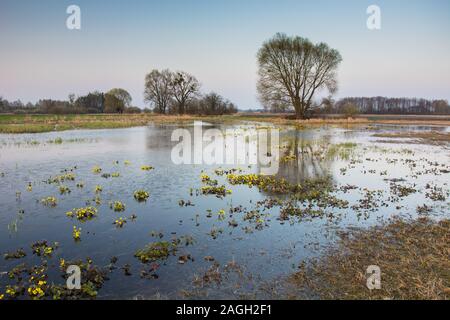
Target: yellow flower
[
  {"x": 10, "y": 291},
  {"x": 76, "y": 233},
  {"x": 96, "y": 169},
  {"x": 48, "y": 250}
]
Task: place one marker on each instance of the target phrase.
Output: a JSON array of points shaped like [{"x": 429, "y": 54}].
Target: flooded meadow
[{"x": 142, "y": 227}]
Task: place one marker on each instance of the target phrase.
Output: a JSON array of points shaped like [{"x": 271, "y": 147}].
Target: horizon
[{"x": 121, "y": 42}]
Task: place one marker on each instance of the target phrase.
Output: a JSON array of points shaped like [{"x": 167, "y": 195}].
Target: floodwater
[{"x": 265, "y": 252}]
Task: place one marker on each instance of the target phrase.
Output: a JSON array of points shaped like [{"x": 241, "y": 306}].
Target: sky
[{"x": 217, "y": 41}]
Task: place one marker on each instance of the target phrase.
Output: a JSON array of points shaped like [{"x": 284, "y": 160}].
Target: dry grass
[
  {"x": 45, "y": 123},
  {"x": 414, "y": 257},
  {"x": 10, "y": 123}
]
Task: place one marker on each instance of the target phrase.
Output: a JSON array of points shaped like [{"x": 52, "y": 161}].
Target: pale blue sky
[{"x": 217, "y": 41}]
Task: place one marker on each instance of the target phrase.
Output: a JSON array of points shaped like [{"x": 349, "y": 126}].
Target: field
[{"x": 10, "y": 123}]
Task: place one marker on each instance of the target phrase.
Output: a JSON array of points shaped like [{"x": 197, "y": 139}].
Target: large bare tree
[
  {"x": 184, "y": 87},
  {"x": 293, "y": 69},
  {"x": 158, "y": 89}
]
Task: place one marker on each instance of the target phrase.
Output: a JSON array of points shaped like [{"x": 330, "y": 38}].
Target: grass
[
  {"x": 413, "y": 257},
  {"x": 46, "y": 123},
  {"x": 36, "y": 123},
  {"x": 434, "y": 137}
]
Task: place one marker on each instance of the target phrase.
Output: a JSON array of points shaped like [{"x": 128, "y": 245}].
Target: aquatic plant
[
  {"x": 64, "y": 189},
  {"x": 76, "y": 233},
  {"x": 214, "y": 232},
  {"x": 62, "y": 178},
  {"x": 92, "y": 279},
  {"x": 205, "y": 177},
  {"x": 115, "y": 174},
  {"x": 49, "y": 201},
  {"x": 96, "y": 169},
  {"x": 18, "y": 254},
  {"x": 83, "y": 214},
  {"x": 120, "y": 222},
  {"x": 141, "y": 195},
  {"x": 42, "y": 248},
  {"x": 219, "y": 191},
  {"x": 58, "y": 140},
  {"x": 117, "y": 206},
  {"x": 37, "y": 291},
  {"x": 221, "y": 214},
  {"x": 155, "y": 251}
]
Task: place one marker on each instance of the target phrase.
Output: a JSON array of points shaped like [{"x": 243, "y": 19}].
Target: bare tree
[
  {"x": 158, "y": 89},
  {"x": 184, "y": 87},
  {"x": 293, "y": 69}
]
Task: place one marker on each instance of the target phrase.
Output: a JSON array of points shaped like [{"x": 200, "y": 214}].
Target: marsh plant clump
[
  {"x": 117, "y": 206},
  {"x": 218, "y": 191},
  {"x": 141, "y": 195},
  {"x": 61, "y": 178},
  {"x": 64, "y": 190},
  {"x": 83, "y": 214},
  {"x": 156, "y": 251},
  {"x": 43, "y": 248},
  {"x": 119, "y": 223},
  {"x": 18, "y": 254},
  {"x": 96, "y": 169},
  {"x": 76, "y": 233},
  {"x": 49, "y": 201}
]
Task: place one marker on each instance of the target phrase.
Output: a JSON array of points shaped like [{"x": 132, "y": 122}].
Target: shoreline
[{"x": 38, "y": 123}]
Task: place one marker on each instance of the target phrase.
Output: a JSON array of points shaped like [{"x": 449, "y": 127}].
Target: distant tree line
[
  {"x": 166, "y": 92},
  {"x": 371, "y": 105},
  {"x": 384, "y": 105},
  {"x": 114, "y": 101},
  {"x": 178, "y": 92}
]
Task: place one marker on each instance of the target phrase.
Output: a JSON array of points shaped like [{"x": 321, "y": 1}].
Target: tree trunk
[{"x": 299, "y": 110}]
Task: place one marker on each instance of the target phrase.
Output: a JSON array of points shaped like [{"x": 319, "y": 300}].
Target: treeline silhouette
[
  {"x": 385, "y": 105},
  {"x": 99, "y": 102},
  {"x": 166, "y": 92},
  {"x": 93, "y": 102}
]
